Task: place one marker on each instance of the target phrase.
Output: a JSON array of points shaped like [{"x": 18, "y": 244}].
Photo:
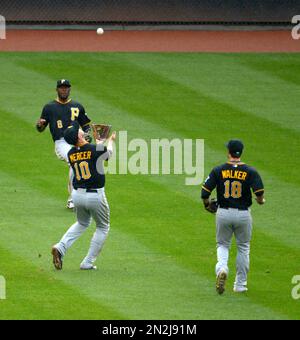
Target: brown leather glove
[{"x": 212, "y": 206}]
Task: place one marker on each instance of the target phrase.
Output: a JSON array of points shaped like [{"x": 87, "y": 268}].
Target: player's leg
[
  {"x": 61, "y": 149},
  {"x": 223, "y": 237},
  {"x": 243, "y": 233},
  {"x": 99, "y": 209},
  {"x": 75, "y": 231}
]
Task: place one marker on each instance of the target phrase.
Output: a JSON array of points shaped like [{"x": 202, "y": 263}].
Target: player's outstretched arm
[{"x": 110, "y": 146}]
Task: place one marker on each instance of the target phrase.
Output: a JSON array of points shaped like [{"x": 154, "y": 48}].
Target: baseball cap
[
  {"x": 71, "y": 133},
  {"x": 63, "y": 82},
  {"x": 235, "y": 147}
]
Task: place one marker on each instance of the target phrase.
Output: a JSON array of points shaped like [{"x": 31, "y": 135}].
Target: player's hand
[
  {"x": 113, "y": 136},
  {"x": 41, "y": 122},
  {"x": 260, "y": 200}
]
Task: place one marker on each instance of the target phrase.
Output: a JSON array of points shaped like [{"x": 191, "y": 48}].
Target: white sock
[{"x": 223, "y": 255}]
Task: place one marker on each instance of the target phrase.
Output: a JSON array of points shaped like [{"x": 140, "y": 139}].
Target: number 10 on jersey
[{"x": 82, "y": 171}]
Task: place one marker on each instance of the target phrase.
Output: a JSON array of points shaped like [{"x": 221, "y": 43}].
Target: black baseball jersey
[
  {"x": 83, "y": 161},
  {"x": 59, "y": 116},
  {"x": 234, "y": 182}
]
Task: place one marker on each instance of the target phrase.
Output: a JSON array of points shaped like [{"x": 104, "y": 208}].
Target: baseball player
[
  {"x": 88, "y": 195},
  {"x": 59, "y": 114},
  {"x": 234, "y": 181}
]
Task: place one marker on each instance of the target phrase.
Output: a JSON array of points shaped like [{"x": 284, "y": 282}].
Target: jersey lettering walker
[
  {"x": 234, "y": 182},
  {"x": 83, "y": 161},
  {"x": 59, "y": 116}
]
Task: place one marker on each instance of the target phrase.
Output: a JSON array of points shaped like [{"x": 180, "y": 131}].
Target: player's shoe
[
  {"x": 57, "y": 258},
  {"x": 70, "y": 204},
  {"x": 85, "y": 266},
  {"x": 221, "y": 280},
  {"x": 240, "y": 289}
]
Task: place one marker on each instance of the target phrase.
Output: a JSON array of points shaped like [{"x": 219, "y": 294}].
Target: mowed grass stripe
[
  {"x": 137, "y": 281},
  {"x": 33, "y": 293},
  {"x": 277, "y": 65},
  {"x": 226, "y": 77},
  {"x": 256, "y": 83}
]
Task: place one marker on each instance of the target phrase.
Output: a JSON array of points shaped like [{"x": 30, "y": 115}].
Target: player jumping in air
[
  {"x": 234, "y": 181},
  {"x": 59, "y": 114}
]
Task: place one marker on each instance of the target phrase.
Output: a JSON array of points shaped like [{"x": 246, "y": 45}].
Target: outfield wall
[{"x": 148, "y": 11}]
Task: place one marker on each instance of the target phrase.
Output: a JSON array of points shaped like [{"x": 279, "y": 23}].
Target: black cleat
[
  {"x": 221, "y": 280},
  {"x": 57, "y": 258}
]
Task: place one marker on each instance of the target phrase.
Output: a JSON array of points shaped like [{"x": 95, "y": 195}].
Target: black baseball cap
[
  {"x": 71, "y": 133},
  {"x": 235, "y": 147},
  {"x": 63, "y": 82}
]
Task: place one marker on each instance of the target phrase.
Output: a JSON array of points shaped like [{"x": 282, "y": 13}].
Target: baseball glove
[
  {"x": 101, "y": 131},
  {"x": 212, "y": 206}
]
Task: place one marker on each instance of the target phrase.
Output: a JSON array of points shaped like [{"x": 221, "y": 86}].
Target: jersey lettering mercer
[
  {"x": 59, "y": 116},
  {"x": 234, "y": 182},
  {"x": 87, "y": 164}
]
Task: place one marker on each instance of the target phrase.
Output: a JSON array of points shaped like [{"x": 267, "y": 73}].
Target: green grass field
[{"x": 158, "y": 262}]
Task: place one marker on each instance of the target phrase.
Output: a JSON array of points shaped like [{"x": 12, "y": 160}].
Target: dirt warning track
[{"x": 150, "y": 41}]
